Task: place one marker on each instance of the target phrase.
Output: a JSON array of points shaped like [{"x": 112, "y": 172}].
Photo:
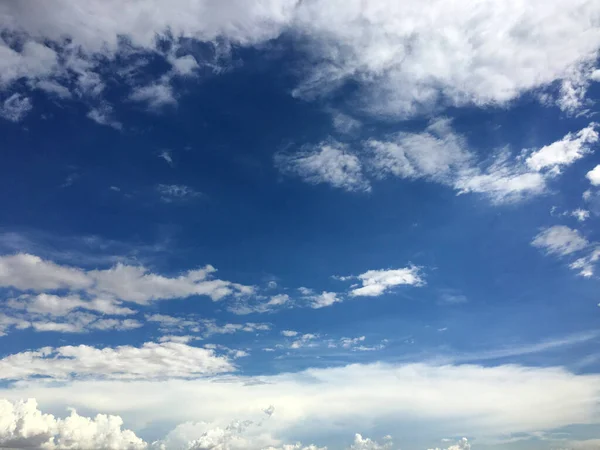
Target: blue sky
[{"x": 299, "y": 224}]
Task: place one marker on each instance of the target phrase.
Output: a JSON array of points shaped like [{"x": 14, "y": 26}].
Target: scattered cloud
[
  {"x": 329, "y": 163},
  {"x": 564, "y": 152},
  {"x": 323, "y": 299},
  {"x": 560, "y": 240},
  {"x": 289, "y": 333},
  {"x": 594, "y": 175},
  {"x": 166, "y": 155},
  {"x": 170, "y": 193},
  {"x": 156, "y": 96},
  {"x": 15, "y": 107},
  {"x": 258, "y": 305},
  {"x": 379, "y": 282},
  {"x": 103, "y": 115},
  {"x": 580, "y": 214}
]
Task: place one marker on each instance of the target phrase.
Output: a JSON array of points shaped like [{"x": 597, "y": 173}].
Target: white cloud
[
  {"x": 580, "y": 214},
  {"x": 176, "y": 192},
  {"x": 103, "y": 115},
  {"x": 166, "y": 155},
  {"x": 15, "y": 107},
  {"x": 305, "y": 340},
  {"x": 151, "y": 360},
  {"x": 155, "y": 95},
  {"x": 323, "y": 299},
  {"x": 53, "y": 88},
  {"x": 378, "y": 282},
  {"x": 23, "y": 425},
  {"x": 274, "y": 303},
  {"x": 463, "y": 444},
  {"x": 361, "y": 443},
  {"x": 486, "y": 400},
  {"x": 406, "y": 58},
  {"x": 329, "y": 163},
  {"x": 409, "y": 57},
  {"x": 25, "y": 272},
  {"x": 585, "y": 265},
  {"x": 563, "y": 152},
  {"x": 436, "y": 154},
  {"x": 594, "y": 175},
  {"x": 343, "y": 123},
  {"x": 560, "y": 240},
  {"x": 55, "y": 305},
  {"x": 289, "y": 333}
]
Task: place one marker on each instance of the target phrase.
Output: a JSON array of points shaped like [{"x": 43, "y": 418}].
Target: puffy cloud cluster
[
  {"x": 23, "y": 425},
  {"x": 438, "y": 154},
  {"x": 406, "y": 58},
  {"x": 378, "y": 282}
]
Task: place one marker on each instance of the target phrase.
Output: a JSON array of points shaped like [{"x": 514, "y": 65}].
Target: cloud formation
[
  {"x": 23, "y": 425},
  {"x": 126, "y": 362}
]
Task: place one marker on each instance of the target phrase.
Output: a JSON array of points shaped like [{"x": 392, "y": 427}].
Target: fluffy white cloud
[
  {"x": 323, "y": 299},
  {"x": 560, "y": 240},
  {"x": 25, "y": 272},
  {"x": 74, "y": 322},
  {"x": 409, "y": 57},
  {"x": 329, "y": 163},
  {"x": 361, "y": 443},
  {"x": 378, "y": 282},
  {"x": 565, "y": 151},
  {"x": 436, "y": 154},
  {"x": 151, "y": 360},
  {"x": 23, "y": 425},
  {"x": 580, "y": 214},
  {"x": 487, "y": 401},
  {"x": 406, "y": 58},
  {"x": 103, "y": 115},
  {"x": 289, "y": 333},
  {"x": 594, "y": 175}
]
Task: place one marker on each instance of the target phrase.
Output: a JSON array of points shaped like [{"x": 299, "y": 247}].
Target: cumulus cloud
[
  {"x": 330, "y": 163},
  {"x": 378, "y": 282},
  {"x": 361, "y": 443},
  {"x": 151, "y": 360},
  {"x": 409, "y": 58},
  {"x": 23, "y": 425},
  {"x": 560, "y": 240},
  {"x": 594, "y": 175},
  {"x": 323, "y": 299},
  {"x": 565, "y": 151}
]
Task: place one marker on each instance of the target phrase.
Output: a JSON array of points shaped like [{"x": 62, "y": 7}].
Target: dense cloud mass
[
  {"x": 23, "y": 425},
  {"x": 408, "y": 57}
]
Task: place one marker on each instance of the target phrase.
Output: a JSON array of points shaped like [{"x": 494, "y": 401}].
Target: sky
[{"x": 300, "y": 225}]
